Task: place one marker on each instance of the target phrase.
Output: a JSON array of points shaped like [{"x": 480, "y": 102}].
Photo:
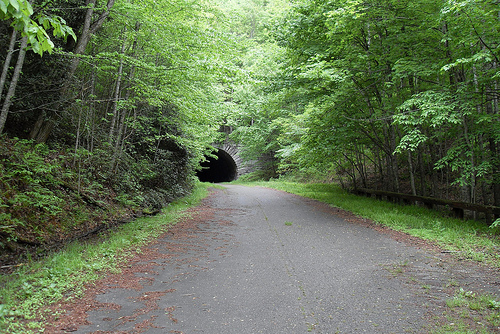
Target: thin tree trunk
[
  {"x": 8, "y": 58},
  {"x": 13, "y": 83},
  {"x": 77, "y": 140},
  {"x": 494, "y": 147},
  {"x": 412, "y": 174},
  {"x": 89, "y": 28},
  {"x": 44, "y": 126},
  {"x": 495, "y": 152},
  {"x": 379, "y": 167},
  {"x": 421, "y": 164},
  {"x": 393, "y": 158},
  {"x": 471, "y": 196},
  {"x": 90, "y": 119},
  {"x": 118, "y": 141},
  {"x": 434, "y": 180},
  {"x": 116, "y": 95}
]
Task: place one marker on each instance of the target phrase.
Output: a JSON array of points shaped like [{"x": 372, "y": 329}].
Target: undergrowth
[
  {"x": 61, "y": 276},
  {"x": 465, "y": 238},
  {"x": 49, "y": 195}
]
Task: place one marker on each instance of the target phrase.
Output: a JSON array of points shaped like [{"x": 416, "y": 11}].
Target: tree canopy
[{"x": 396, "y": 95}]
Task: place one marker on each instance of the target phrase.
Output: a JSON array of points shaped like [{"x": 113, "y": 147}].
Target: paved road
[{"x": 257, "y": 260}]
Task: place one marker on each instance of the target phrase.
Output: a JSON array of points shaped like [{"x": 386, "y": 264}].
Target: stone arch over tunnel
[{"x": 220, "y": 169}]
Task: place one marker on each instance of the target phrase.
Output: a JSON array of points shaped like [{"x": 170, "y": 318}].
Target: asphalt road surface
[{"x": 255, "y": 260}]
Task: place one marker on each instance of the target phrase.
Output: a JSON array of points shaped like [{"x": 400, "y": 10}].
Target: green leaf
[
  {"x": 45, "y": 22},
  {"x": 15, "y": 4},
  {"x": 28, "y": 10},
  {"x": 3, "y": 5}
]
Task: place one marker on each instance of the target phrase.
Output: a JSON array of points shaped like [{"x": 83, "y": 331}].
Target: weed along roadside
[{"x": 61, "y": 276}]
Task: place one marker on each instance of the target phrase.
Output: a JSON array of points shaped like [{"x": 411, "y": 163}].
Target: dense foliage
[
  {"x": 117, "y": 98},
  {"x": 44, "y": 201},
  {"x": 397, "y": 95},
  {"x": 109, "y": 106},
  {"x": 401, "y": 95}
]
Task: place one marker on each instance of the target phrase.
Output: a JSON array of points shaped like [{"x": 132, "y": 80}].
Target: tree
[
  {"x": 406, "y": 91},
  {"x": 34, "y": 35},
  {"x": 91, "y": 24}
]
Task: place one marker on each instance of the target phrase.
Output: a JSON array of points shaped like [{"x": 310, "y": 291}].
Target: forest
[{"x": 108, "y": 107}]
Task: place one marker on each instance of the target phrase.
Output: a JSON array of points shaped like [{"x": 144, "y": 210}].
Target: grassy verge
[
  {"x": 468, "y": 239},
  {"x": 63, "y": 274}
]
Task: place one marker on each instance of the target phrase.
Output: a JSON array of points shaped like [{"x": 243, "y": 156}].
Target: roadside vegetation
[
  {"x": 63, "y": 274},
  {"x": 396, "y": 95},
  {"x": 467, "y": 308},
  {"x": 107, "y": 109},
  {"x": 49, "y": 196}
]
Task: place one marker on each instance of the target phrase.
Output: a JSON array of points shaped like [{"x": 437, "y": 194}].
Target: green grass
[
  {"x": 468, "y": 239},
  {"x": 469, "y": 310},
  {"x": 62, "y": 275}
]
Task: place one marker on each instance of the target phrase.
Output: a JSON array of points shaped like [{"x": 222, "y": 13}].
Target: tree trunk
[
  {"x": 78, "y": 130},
  {"x": 116, "y": 95},
  {"x": 421, "y": 164},
  {"x": 412, "y": 173},
  {"x": 472, "y": 181},
  {"x": 8, "y": 58},
  {"x": 119, "y": 143},
  {"x": 434, "y": 180},
  {"x": 45, "y": 124},
  {"x": 120, "y": 136},
  {"x": 42, "y": 129},
  {"x": 13, "y": 83},
  {"x": 495, "y": 152},
  {"x": 393, "y": 158},
  {"x": 89, "y": 28},
  {"x": 494, "y": 147},
  {"x": 90, "y": 115},
  {"x": 378, "y": 166}
]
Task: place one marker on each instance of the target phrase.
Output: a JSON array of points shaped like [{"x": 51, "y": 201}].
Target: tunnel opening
[{"x": 220, "y": 169}]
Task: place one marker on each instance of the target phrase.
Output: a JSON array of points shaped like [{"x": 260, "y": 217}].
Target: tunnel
[{"x": 222, "y": 169}]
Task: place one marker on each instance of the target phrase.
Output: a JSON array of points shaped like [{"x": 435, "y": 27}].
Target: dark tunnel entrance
[{"x": 222, "y": 169}]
